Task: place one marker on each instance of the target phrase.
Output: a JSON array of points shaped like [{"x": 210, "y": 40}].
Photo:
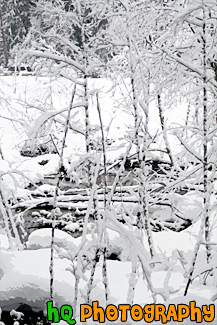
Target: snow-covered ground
[{"x": 24, "y": 275}]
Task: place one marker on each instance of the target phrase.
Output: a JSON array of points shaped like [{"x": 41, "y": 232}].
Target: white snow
[
  {"x": 24, "y": 275},
  {"x": 41, "y": 238},
  {"x": 25, "y": 278}
]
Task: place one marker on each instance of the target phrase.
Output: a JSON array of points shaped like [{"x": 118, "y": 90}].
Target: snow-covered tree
[
  {"x": 192, "y": 50},
  {"x": 161, "y": 52},
  {"x": 15, "y": 23}
]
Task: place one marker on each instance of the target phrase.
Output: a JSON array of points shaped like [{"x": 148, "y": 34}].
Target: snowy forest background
[{"x": 108, "y": 123}]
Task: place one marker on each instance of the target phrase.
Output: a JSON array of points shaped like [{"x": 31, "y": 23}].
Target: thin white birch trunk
[
  {"x": 165, "y": 137},
  {"x": 54, "y": 211}
]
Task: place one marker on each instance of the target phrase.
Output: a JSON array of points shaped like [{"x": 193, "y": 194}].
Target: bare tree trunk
[
  {"x": 187, "y": 120},
  {"x": 168, "y": 150},
  {"x": 4, "y": 39},
  {"x": 104, "y": 153},
  {"x": 143, "y": 221},
  {"x": 85, "y": 87},
  {"x": 54, "y": 212},
  {"x": 206, "y": 199}
]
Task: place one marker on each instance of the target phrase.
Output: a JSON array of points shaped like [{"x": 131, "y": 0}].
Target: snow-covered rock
[{"x": 16, "y": 314}]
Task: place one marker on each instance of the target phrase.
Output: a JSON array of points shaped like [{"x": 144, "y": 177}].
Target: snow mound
[
  {"x": 167, "y": 241},
  {"x": 41, "y": 238},
  {"x": 25, "y": 278},
  {"x": 200, "y": 301}
]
